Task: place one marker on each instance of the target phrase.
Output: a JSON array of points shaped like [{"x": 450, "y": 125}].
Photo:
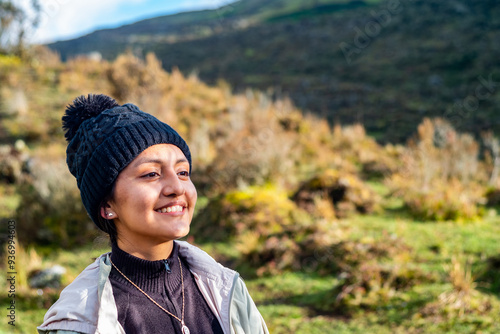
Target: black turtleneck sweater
[{"x": 161, "y": 280}]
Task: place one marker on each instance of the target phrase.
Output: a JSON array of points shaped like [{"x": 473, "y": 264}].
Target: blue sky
[{"x": 65, "y": 19}]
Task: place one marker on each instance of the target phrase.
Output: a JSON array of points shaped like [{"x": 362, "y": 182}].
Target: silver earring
[{"x": 110, "y": 214}]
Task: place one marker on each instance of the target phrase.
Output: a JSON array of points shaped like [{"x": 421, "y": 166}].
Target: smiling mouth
[{"x": 170, "y": 209}]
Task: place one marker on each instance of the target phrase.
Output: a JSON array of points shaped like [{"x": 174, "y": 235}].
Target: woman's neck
[
  {"x": 151, "y": 252},
  {"x": 150, "y": 276}
]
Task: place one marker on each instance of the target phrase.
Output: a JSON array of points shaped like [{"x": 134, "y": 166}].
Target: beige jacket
[{"x": 87, "y": 305}]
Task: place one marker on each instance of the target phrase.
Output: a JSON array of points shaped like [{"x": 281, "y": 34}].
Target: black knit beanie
[{"x": 103, "y": 138}]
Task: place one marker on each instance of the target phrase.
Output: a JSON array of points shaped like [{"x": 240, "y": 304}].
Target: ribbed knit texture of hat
[{"x": 106, "y": 141}]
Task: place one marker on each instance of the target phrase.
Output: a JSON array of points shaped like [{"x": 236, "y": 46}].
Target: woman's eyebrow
[
  {"x": 146, "y": 161},
  {"x": 155, "y": 161}
]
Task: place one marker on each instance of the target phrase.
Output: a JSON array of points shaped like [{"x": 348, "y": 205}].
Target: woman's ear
[{"x": 107, "y": 213}]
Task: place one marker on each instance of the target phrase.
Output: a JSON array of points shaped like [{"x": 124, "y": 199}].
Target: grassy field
[
  {"x": 288, "y": 301},
  {"x": 291, "y": 302}
]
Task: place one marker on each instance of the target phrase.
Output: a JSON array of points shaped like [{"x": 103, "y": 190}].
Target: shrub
[
  {"x": 51, "y": 211},
  {"x": 13, "y": 162},
  {"x": 263, "y": 210},
  {"x": 345, "y": 192},
  {"x": 82, "y": 75},
  {"x": 362, "y": 151},
  {"x": 271, "y": 233},
  {"x": 133, "y": 80},
  {"x": 302, "y": 248},
  {"x": 11, "y": 69},
  {"x": 440, "y": 177},
  {"x": 449, "y": 201},
  {"x": 254, "y": 147},
  {"x": 463, "y": 298},
  {"x": 372, "y": 274}
]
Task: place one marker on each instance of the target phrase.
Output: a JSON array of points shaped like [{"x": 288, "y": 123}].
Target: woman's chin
[{"x": 181, "y": 233}]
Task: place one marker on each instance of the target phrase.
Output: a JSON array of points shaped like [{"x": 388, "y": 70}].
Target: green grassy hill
[{"x": 384, "y": 64}]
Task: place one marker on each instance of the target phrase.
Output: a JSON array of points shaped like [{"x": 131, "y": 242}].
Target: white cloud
[
  {"x": 68, "y": 18},
  {"x": 64, "y": 19}
]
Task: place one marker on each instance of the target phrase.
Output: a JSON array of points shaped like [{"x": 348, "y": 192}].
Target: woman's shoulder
[
  {"x": 78, "y": 301},
  {"x": 87, "y": 280}
]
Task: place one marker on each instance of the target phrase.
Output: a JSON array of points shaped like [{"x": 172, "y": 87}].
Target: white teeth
[{"x": 175, "y": 208}]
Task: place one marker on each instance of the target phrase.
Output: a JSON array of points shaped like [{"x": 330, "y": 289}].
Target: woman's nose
[{"x": 172, "y": 186}]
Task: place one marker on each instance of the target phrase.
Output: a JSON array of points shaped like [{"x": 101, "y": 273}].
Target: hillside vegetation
[
  {"x": 332, "y": 231},
  {"x": 385, "y": 64}
]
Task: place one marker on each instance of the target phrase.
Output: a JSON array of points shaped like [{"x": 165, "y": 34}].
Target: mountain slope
[{"x": 386, "y": 64}]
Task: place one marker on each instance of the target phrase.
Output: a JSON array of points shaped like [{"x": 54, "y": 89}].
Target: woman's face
[{"x": 153, "y": 198}]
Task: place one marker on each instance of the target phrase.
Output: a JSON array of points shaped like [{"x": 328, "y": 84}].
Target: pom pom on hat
[{"x": 82, "y": 109}]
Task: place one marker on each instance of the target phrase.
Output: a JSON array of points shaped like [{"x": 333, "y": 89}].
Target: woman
[{"x": 133, "y": 172}]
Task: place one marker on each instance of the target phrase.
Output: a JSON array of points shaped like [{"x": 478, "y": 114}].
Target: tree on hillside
[{"x": 15, "y": 22}]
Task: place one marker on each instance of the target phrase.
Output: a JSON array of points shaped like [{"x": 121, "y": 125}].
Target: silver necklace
[{"x": 185, "y": 329}]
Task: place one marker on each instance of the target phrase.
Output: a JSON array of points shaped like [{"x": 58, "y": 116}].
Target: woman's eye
[
  {"x": 184, "y": 173},
  {"x": 152, "y": 174}
]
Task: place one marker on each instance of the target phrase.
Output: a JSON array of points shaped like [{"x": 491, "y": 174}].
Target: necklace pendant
[{"x": 185, "y": 329}]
